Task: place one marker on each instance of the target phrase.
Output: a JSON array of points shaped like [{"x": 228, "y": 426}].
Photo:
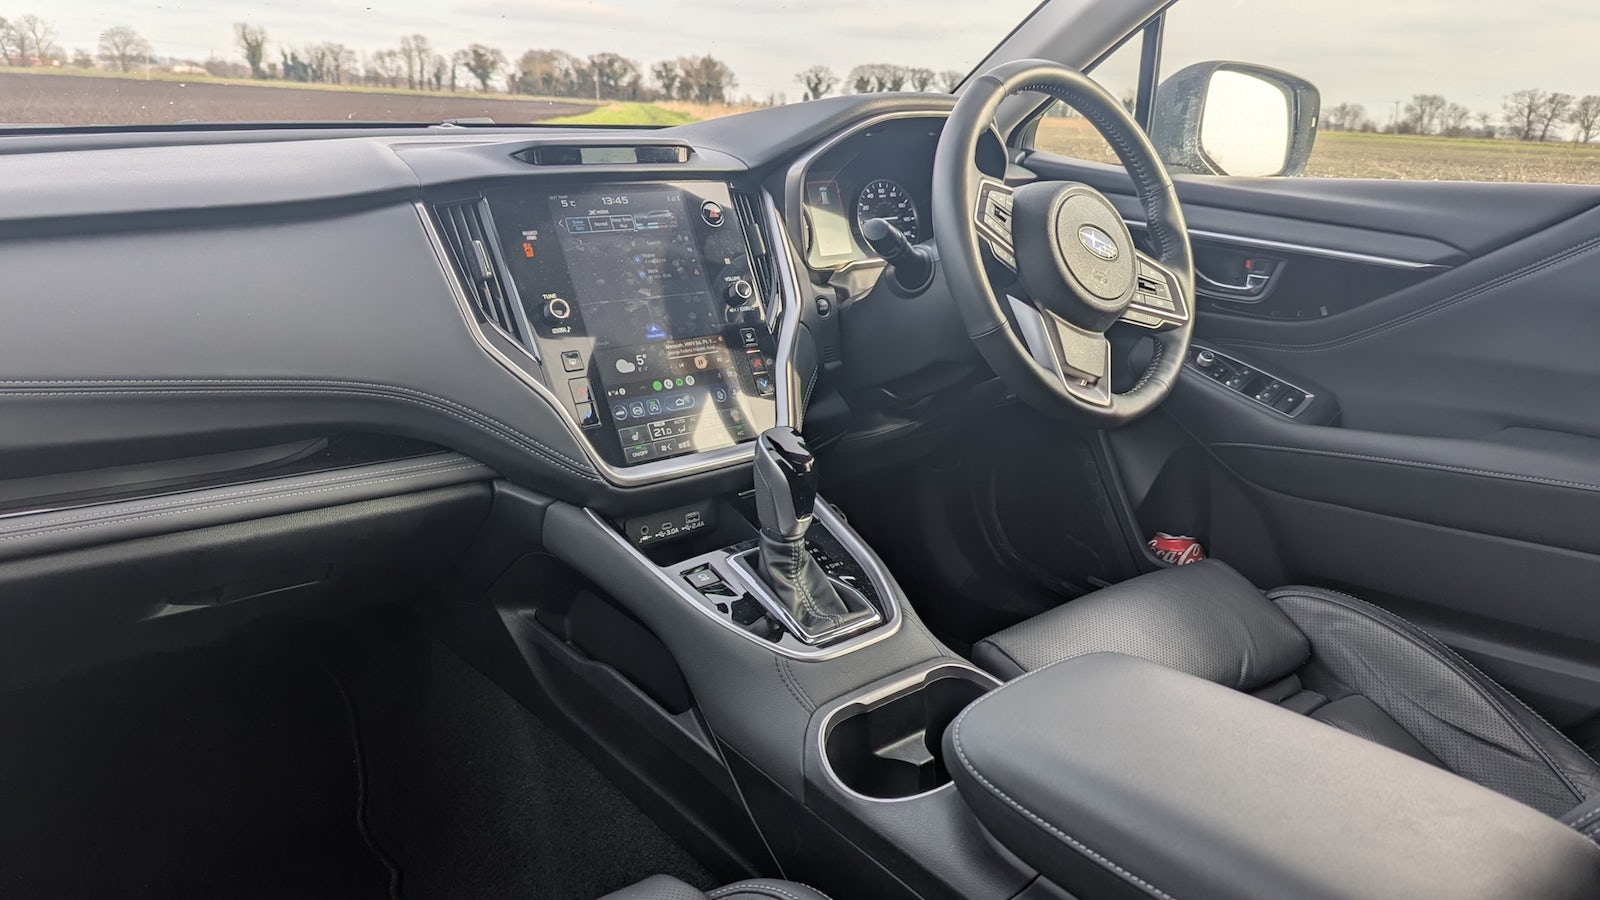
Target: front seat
[
  {"x": 1326, "y": 655},
  {"x": 663, "y": 887}
]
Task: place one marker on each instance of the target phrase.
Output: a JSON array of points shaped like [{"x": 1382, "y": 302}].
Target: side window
[
  {"x": 1395, "y": 99},
  {"x": 1063, "y": 131}
]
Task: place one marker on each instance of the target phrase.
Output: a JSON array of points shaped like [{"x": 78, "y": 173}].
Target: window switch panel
[{"x": 1269, "y": 390}]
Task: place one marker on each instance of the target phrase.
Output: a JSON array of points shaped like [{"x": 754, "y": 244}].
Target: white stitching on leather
[
  {"x": 1443, "y": 467},
  {"x": 752, "y": 889},
  {"x": 1104, "y": 862},
  {"x": 212, "y": 506},
  {"x": 1451, "y": 659},
  {"x": 266, "y": 488},
  {"x": 1428, "y": 310},
  {"x": 1586, "y": 817},
  {"x": 505, "y": 431}
]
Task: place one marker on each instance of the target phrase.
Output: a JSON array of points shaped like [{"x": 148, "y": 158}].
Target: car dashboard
[{"x": 603, "y": 315}]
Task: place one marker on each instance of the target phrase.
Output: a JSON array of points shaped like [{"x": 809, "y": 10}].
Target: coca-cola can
[{"x": 1177, "y": 549}]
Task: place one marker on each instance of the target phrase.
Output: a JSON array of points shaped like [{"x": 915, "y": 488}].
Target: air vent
[
  {"x": 761, "y": 262},
  {"x": 463, "y": 226}
]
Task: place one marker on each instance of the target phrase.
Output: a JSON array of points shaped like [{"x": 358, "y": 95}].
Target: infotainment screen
[{"x": 643, "y": 299}]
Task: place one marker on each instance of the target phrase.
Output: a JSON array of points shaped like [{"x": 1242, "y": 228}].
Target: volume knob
[
  {"x": 739, "y": 293},
  {"x": 557, "y": 310}
]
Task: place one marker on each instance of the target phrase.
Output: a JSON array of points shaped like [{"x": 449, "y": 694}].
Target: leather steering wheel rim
[{"x": 1057, "y": 370}]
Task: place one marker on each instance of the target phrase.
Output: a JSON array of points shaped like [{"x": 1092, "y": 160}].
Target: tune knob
[
  {"x": 557, "y": 310},
  {"x": 739, "y": 293}
]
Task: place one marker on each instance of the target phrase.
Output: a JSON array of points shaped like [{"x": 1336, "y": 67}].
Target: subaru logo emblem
[{"x": 1098, "y": 242}]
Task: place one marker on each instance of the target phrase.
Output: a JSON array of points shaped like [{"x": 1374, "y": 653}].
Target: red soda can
[{"x": 1176, "y": 549}]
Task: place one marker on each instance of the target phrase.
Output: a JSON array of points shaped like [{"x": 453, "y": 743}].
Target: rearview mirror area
[{"x": 1228, "y": 118}]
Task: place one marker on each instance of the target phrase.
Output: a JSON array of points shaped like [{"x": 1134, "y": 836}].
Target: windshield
[{"x": 606, "y": 62}]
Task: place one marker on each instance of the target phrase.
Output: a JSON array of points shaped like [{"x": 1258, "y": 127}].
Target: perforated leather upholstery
[{"x": 1327, "y": 655}]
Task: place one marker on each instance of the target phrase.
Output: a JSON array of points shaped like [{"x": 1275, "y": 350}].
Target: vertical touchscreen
[{"x": 669, "y": 356}]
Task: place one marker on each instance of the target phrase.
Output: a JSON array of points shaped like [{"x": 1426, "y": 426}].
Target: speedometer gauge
[{"x": 883, "y": 199}]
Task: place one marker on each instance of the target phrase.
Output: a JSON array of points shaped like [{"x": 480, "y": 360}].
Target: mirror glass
[{"x": 1245, "y": 127}]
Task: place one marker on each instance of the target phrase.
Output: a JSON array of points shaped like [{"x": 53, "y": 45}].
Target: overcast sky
[{"x": 1363, "y": 51}]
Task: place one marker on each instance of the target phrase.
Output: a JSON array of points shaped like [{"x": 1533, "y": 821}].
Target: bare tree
[
  {"x": 871, "y": 78},
  {"x": 253, "y": 42},
  {"x": 123, "y": 48},
  {"x": 1344, "y": 117},
  {"x": 416, "y": 53},
  {"x": 819, "y": 82},
  {"x": 950, "y": 79},
  {"x": 483, "y": 62},
  {"x": 1521, "y": 111},
  {"x": 706, "y": 79},
  {"x": 549, "y": 72},
  {"x": 921, "y": 79},
  {"x": 82, "y": 58},
  {"x": 1422, "y": 113},
  {"x": 386, "y": 68},
  {"x": 10, "y": 52},
  {"x": 1453, "y": 120},
  {"x": 1585, "y": 115},
  {"x": 438, "y": 71},
  {"x": 666, "y": 76},
  {"x": 35, "y": 40},
  {"x": 1556, "y": 107}
]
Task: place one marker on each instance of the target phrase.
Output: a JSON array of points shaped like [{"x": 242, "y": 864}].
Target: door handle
[{"x": 1259, "y": 277}]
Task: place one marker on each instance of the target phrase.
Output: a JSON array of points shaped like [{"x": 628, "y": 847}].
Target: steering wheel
[{"x": 1077, "y": 272}]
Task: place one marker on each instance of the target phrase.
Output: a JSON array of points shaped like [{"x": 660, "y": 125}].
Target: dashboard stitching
[
  {"x": 209, "y": 506},
  {"x": 404, "y": 394},
  {"x": 345, "y": 480}
]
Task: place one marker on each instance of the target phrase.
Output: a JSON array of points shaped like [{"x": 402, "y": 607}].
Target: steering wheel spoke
[
  {"x": 1079, "y": 359},
  {"x": 992, "y": 218},
  {"x": 1159, "y": 302}
]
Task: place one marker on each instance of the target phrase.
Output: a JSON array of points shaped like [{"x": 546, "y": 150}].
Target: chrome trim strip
[
  {"x": 912, "y": 682},
  {"x": 837, "y": 527},
  {"x": 1287, "y": 247},
  {"x": 650, "y": 473}
]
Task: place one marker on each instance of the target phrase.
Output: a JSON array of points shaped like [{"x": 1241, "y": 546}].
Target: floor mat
[
  {"x": 368, "y": 764},
  {"x": 201, "y": 775}
]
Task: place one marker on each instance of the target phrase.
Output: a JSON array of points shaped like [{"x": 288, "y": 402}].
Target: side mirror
[{"x": 1228, "y": 118}]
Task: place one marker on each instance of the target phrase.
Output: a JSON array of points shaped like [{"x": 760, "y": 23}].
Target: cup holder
[{"x": 889, "y": 747}]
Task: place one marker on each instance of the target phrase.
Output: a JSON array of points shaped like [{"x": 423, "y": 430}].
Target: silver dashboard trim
[
  {"x": 840, "y": 530},
  {"x": 912, "y": 681},
  {"x": 650, "y": 473},
  {"x": 1308, "y": 250}
]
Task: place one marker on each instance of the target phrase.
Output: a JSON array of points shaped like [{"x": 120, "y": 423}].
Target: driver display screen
[{"x": 669, "y": 365}]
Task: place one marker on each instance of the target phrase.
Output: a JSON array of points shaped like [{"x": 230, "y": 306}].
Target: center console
[{"x": 643, "y": 305}]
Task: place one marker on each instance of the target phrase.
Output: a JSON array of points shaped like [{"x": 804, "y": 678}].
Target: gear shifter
[{"x": 786, "y": 493}]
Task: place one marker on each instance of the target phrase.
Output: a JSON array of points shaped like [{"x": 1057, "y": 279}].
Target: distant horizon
[{"x": 1367, "y": 52}]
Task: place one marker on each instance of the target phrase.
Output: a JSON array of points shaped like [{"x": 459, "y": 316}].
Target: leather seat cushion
[{"x": 1335, "y": 658}]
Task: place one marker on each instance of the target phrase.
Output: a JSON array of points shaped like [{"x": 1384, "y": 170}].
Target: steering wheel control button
[
  {"x": 711, "y": 212},
  {"x": 571, "y": 361}
]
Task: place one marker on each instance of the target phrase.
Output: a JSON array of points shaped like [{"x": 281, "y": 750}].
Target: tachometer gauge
[{"x": 883, "y": 199}]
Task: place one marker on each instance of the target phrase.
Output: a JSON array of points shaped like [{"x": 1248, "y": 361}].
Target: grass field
[
  {"x": 1353, "y": 155},
  {"x": 626, "y": 114},
  {"x": 68, "y": 97}
]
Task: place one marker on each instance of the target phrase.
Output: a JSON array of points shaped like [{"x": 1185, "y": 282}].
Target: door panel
[{"x": 1452, "y": 472}]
